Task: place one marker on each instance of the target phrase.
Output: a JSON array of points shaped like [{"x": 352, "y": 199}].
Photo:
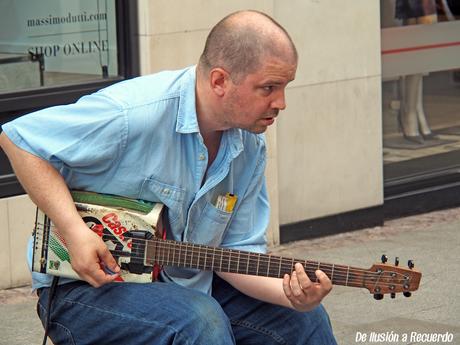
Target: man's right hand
[
  {"x": 89, "y": 255},
  {"x": 48, "y": 190}
]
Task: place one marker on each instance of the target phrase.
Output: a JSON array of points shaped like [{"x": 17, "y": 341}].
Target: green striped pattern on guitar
[{"x": 112, "y": 201}]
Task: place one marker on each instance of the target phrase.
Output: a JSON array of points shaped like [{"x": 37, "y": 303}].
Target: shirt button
[
  {"x": 201, "y": 157},
  {"x": 166, "y": 191}
]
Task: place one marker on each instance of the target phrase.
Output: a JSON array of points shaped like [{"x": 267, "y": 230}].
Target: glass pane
[
  {"x": 49, "y": 42},
  {"x": 421, "y": 85}
]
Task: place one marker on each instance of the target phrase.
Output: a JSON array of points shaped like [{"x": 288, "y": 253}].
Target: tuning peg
[
  {"x": 396, "y": 261},
  {"x": 384, "y": 258},
  {"x": 378, "y": 296},
  {"x": 407, "y": 294},
  {"x": 392, "y": 295},
  {"x": 410, "y": 263}
]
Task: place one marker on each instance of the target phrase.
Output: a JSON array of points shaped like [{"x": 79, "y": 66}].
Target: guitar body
[{"x": 123, "y": 224}]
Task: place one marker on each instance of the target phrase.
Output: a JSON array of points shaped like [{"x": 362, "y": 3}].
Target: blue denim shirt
[{"x": 140, "y": 139}]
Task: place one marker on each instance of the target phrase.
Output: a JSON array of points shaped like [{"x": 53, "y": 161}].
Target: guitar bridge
[{"x": 136, "y": 264}]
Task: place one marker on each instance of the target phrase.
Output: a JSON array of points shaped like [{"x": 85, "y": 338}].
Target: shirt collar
[
  {"x": 187, "y": 121},
  {"x": 235, "y": 136}
]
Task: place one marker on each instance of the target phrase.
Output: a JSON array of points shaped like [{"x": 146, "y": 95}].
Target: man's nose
[{"x": 279, "y": 102}]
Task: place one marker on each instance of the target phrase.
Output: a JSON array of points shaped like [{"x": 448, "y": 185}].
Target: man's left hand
[{"x": 302, "y": 293}]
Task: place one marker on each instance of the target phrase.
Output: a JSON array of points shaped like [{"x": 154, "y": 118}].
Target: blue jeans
[{"x": 166, "y": 313}]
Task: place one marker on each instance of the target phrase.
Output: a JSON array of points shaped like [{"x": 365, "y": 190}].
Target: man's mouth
[{"x": 269, "y": 120}]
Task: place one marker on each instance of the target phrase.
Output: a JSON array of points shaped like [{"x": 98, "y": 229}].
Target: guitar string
[
  {"x": 349, "y": 281},
  {"x": 263, "y": 258},
  {"x": 251, "y": 257},
  {"x": 337, "y": 275}
]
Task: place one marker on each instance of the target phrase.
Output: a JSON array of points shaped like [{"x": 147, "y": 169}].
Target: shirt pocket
[
  {"x": 210, "y": 227},
  {"x": 171, "y": 196}
]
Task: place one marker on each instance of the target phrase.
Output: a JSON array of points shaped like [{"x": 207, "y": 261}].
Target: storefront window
[
  {"x": 51, "y": 43},
  {"x": 54, "y": 52},
  {"x": 421, "y": 87}
]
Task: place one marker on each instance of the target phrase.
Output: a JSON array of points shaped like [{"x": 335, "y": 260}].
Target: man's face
[{"x": 254, "y": 102}]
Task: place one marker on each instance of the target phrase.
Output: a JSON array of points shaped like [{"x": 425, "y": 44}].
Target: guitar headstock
[{"x": 385, "y": 278}]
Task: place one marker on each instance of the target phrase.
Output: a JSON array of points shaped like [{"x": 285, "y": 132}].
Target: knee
[
  {"x": 319, "y": 327},
  {"x": 206, "y": 322},
  {"x": 321, "y": 315}
]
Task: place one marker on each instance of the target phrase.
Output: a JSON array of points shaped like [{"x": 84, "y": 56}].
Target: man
[{"x": 181, "y": 138}]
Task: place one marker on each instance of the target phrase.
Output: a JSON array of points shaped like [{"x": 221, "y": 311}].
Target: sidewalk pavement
[{"x": 432, "y": 240}]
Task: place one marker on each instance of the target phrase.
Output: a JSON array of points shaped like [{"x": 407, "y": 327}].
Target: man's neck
[{"x": 208, "y": 122}]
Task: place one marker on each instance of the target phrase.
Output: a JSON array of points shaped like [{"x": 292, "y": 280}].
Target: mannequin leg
[
  {"x": 424, "y": 127},
  {"x": 408, "y": 116}
]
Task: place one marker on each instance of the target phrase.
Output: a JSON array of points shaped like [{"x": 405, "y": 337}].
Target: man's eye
[{"x": 268, "y": 88}]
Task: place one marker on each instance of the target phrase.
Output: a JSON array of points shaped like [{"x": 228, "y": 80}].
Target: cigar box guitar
[{"x": 134, "y": 233}]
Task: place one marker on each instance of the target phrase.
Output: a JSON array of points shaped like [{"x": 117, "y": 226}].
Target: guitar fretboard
[{"x": 189, "y": 255}]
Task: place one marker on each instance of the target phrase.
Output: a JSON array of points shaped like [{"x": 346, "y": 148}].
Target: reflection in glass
[
  {"x": 48, "y": 42},
  {"x": 421, "y": 109}
]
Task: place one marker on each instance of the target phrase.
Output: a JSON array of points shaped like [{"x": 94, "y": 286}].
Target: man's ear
[{"x": 219, "y": 81}]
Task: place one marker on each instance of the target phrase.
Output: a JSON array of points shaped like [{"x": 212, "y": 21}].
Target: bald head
[{"x": 240, "y": 41}]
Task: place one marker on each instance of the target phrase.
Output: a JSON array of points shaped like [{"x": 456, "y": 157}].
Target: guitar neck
[{"x": 189, "y": 255}]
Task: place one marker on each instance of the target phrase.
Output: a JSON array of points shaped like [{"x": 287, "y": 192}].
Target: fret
[
  {"x": 236, "y": 259},
  {"x": 272, "y": 270},
  {"x": 263, "y": 265},
  {"x": 243, "y": 262},
  {"x": 286, "y": 266},
  {"x": 279, "y": 268},
  {"x": 169, "y": 252},
  {"x": 158, "y": 253},
  {"x": 185, "y": 254},
  {"x": 174, "y": 256},
  {"x": 192, "y": 255},
  {"x": 258, "y": 263},
  {"x": 319, "y": 265},
  {"x": 251, "y": 265},
  {"x": 179, "y": 251},
  {"x": 268, "y": 266},
  {"x": 193, "y": 259},
  {"x": 248, "y": 257},
  {"x": 221, "y": 257},
  {"x": 205, "y": 258},
  {"x": 229, "y": 259},
  {"x": 213, "y": 257},
  {"x": 255, "y": 263},
  {"x": 198, "y": 259},
  {"x": 307, "y": 270},
  {"x": 158, "y": 257},
  {"x": 332, "y": 273},
  {"x": 238, "y": 263},
  {"x": 348, "y": 271}
]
